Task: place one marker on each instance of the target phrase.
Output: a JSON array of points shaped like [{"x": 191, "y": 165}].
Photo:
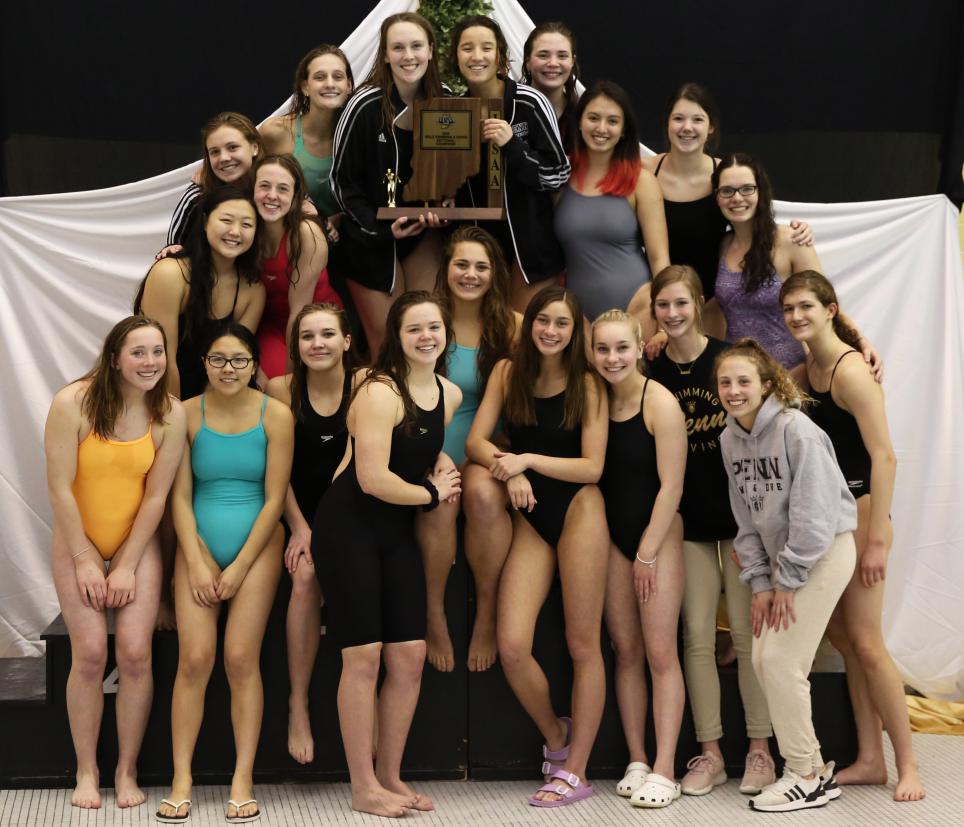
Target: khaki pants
[
  {"x": 701, "y": 598},
  {"x": 782, "y": 659}
]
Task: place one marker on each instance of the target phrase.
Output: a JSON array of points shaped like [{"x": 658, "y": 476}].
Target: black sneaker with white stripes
[{"x": 791, "y": 792}]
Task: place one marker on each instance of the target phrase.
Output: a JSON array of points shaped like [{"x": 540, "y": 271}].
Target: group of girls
[{"x": 470, "y": 407}]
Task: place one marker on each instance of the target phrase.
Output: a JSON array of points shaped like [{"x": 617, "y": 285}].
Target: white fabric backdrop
[{"x": 70, "y": 265}]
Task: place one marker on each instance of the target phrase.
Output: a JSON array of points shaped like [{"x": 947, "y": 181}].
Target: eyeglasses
[
  {"x": 237, "y": 362},
  {"x": 729, "y": 192}
]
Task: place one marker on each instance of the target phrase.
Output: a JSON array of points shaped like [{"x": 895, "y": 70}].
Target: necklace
[{"x": 704, "y": 341}]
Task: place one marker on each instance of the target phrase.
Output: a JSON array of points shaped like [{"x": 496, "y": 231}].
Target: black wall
[{"x": 845, "y": 101}]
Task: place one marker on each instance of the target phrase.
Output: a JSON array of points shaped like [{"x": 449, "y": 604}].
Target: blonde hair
[
  {"x": 679, "y": 274},
  {"x": 616, "y": 315},
  {"x": 770, "y": 370}
]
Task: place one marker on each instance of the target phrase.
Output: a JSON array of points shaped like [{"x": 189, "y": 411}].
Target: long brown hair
[
  {"x": 104, "y": 400},
  {"x": 295, "y": 216},
  {"x": 758, "y": 261},
  {"x": 770, "y": 370},
  {"x": 822, "y": 289},
  {"x": 497, "y": 318},
  {"x": 299, "y": 370},
  {"x": 391, "y": 366},
  {"x": 248, "y": 131},
  {"x": 520, "y": 406},
  {"x": 300, "y": 104},
  {"x": 381, "y": 73}
]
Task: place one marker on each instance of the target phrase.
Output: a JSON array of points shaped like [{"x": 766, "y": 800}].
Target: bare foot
[
  {"x": 126, "y": 791},
  {"x": 177, "y": 795},
  {"x": 438, "y": 644},
  {"x": 380, "y": 802},
  {"x": 863, "y": 772},
  {"x": 909, "y": 785},
  {"x": 483, "y": 648},
  {"x": 166, "y": 621},
  {"x": 301, "y": 746},
  {"x": 87, "y": 793},
  {"x": 399, "y": 787}
]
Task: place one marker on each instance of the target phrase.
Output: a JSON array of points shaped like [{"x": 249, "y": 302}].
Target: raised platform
[{"x": 466, "y": 725}]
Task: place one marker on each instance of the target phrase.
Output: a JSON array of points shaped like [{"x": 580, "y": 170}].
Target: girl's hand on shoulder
[
  {"x": 520, "y": 493},
  {"x": 91, "y": 582},
  {"x": 308, "y": 208},
  {"x": 496, "y": 130},
  {"x": 169, "y": 250},
  {"x": 448, "y": 483},
  {"x": 644, "y": 580},
  {"x": 800, "y": 233},
  {"x": 230, "y": 580},
  {"x": 760, "y": 611},
  {"x": 120, "y": 587},
  {"x": 873, "y": 359},
  {"x": 202, "y": 578},
  {"x": 298, "y": 550},
  {"x": 508, "y": 465},
  {"x": 781, "y": 610},
  {"x": 655, "y": 344},
  {"x": 873, "y": 561},
  {"x": 331, "y": 227}
]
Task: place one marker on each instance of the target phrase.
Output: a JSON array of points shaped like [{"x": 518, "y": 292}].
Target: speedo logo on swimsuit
[
  {"x": 381, "y": 138},
  {"x": 327, "y": 437},
  {"x": 422, "y": 431}
]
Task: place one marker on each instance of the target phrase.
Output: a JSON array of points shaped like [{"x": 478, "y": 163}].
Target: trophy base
[{"x": 445, "y": 213}]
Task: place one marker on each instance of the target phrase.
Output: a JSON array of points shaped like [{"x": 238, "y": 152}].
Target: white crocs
[
  {"x": 656, "y": 791},
  {"x": 633, "y": 779}
]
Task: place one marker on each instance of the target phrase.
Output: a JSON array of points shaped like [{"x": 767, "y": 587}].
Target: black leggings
[{"x": 369, "y": 567}]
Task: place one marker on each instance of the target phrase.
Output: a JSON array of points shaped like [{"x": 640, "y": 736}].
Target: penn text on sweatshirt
[{"x": 788, "y": 496}]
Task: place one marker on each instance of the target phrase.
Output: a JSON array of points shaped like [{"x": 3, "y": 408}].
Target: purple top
[{"x": 756, "y": 314}]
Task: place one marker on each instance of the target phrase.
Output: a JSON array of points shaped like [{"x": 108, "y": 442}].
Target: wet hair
[
  {"x": 248, "y": 131},
  {"x": 243, "y": 335},
  {"x": 390, "y": 365},
  {"x": 300, "y": 105},
  {"x": 501, "y": 45},
  {"x": 498, "y": 320},
  {"x": 104, "y": 399},
  {"x": 197, "y": 266},
  {"x": 381, "y": 73},
  {"x": 553, "y": 27},
  {"x": 625, "y": 164},
  {"x": 295, "y": 216},
  {"x": 758, "y": 261},
  {"x": 519, "y": 407},
  {"x": 700, "y": 95},
  {"x": 621, "y": 317},
  {"x": 299, "y": 370},
  {"x": 679, "y": 274},
  {"x": 770, "y": 370},
  {"x": 823, "y": 290}
]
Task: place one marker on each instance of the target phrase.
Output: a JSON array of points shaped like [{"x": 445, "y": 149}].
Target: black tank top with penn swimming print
[{"x": 705, "y": 505}]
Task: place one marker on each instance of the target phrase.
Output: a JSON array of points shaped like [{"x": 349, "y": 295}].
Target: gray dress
[{"x": 600, "y": 236}]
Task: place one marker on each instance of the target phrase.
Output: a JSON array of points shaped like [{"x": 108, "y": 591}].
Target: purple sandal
[
  {"x": 576, "y": 791},
  {"x": 556, "y": 758}
]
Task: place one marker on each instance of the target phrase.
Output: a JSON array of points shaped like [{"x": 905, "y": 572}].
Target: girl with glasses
[{"x": 227, "y": 501}]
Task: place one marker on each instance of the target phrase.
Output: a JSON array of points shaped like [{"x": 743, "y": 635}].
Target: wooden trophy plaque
[{"x": 446, "y": 152}]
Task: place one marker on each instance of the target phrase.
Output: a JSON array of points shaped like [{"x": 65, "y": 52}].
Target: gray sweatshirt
[{"x": 787, "y": 493}]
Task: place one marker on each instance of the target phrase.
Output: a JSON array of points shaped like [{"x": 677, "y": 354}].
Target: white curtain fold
[{"x": 70, "y": 265}]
